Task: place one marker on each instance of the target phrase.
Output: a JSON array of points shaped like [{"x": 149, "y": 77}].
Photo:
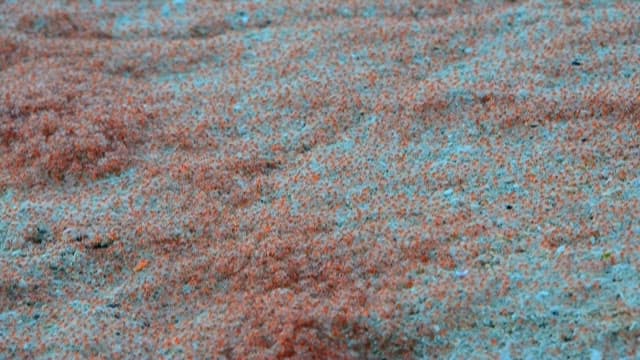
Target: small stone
[
  {"x": 542, "y": 295},
  {"x": 208, "y": 27},
  {"x": 74, "y": 234},
  {"x": 99, "y": 242},
  {"x": 187, "y": 289},
  {"x": 566, "y": 335},
  {"x": 38, "y": 234},
  {"x": 596, "y": 354},
  {"x": 22, "y": 284},
  {"x": 91, "y": 238}
]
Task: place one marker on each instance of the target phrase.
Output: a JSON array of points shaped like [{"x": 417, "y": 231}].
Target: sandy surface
[{"x": 320, "y": 179}]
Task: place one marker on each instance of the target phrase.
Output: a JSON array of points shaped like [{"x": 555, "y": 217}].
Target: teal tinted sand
[{"x": 320, "y": 179}]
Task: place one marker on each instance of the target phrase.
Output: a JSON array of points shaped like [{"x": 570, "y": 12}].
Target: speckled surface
[{"x": 306, "y": 179}]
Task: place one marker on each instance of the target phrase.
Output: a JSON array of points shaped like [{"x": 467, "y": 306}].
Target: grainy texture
[{"x": 320, "y": 179}]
